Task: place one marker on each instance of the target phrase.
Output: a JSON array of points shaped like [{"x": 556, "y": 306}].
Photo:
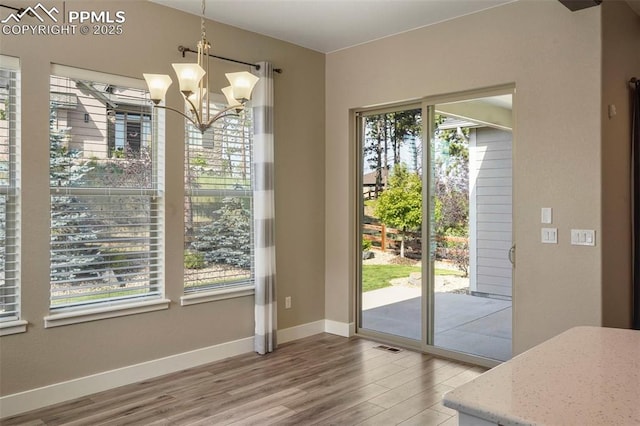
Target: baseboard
[
  {"x": 300, "y": 331},
  {"x": 22, "y": 402},
  {"x": 11, "y": 405},
  {"x": 340, "y": 328}
]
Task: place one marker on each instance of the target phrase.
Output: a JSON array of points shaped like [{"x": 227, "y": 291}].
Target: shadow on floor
[{"x": 470, "y": 324}]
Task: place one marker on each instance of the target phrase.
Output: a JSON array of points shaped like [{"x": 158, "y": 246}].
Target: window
[
  {"x": 106, "y": 200},
  {"x": 218, "y": 206},
  {"x": 125, "y": 131},
  {"x": 9, "y": 197}
]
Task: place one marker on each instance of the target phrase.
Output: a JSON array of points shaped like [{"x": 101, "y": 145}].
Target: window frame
[{"x": 113, "y": 307}]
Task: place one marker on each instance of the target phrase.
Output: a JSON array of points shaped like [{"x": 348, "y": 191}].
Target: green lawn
[
  {"x": 440, "y": 271},
  {"x": 379, "y": 276}
]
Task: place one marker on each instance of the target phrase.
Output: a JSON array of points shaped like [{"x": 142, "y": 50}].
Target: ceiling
[
  {"x": 330, "y": 25},
  {"x": 492, "y": 111}
]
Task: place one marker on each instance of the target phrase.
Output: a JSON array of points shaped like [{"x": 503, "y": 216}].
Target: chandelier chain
[{"x": 202, "y": 29}]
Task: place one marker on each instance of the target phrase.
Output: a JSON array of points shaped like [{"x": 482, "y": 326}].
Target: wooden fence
[
  {"x": 389, "y": 238},
  {"x": 379, "y": 234}
]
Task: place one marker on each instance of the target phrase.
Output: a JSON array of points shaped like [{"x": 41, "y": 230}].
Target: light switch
[
  {"x": 550, "y": 235},
  {"x": 583, "y": 237},
  {"x": 546, "y": 215}
]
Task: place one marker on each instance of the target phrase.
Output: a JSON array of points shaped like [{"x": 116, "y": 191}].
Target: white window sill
[
  {"x": 220, "y": 294},
  {"x": 13, "y": 327},
  {"x": 112, "y": 311}
]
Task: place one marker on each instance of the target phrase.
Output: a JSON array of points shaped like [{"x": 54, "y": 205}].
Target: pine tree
[
  {"x": 389, "y": 132},
  {"x": 227, "y": 239},
  {"x": 74, "y": 251}
]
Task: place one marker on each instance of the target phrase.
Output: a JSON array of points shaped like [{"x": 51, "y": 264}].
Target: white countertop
[{"x": 584, "y": 376}]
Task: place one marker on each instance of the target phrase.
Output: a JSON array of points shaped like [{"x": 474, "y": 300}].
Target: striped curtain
[{"x": 264, "y": 212}]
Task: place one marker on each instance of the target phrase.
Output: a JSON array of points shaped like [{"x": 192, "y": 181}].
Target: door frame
[{"x": 427, "y": 104}]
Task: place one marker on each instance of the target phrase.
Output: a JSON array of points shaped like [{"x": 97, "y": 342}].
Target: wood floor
[{"x": 323, "y": 379}]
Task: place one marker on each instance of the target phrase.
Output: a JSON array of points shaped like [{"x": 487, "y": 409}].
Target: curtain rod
[
  {"x": 184, "y": 50},
  {"x": 20, "y": 10},
  {"x": 17, "y": 9}
]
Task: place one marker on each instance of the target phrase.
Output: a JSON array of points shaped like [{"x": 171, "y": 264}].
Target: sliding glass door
[{"x": 435, "y": 225}]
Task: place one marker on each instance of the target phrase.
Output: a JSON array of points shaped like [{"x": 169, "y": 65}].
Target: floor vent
[{"x": 388, "y": 348}]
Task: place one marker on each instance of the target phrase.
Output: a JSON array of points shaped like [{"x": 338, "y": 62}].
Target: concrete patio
[{"x": 470, "y": 324}]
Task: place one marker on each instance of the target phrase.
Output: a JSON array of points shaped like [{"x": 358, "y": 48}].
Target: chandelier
[{"x": 193, "y": 79}]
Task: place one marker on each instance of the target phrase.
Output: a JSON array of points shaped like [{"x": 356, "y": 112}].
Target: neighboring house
[
  {"x": 373, "y": 183},
  {"x": 490, "y": 211},
  {"x": 93, "y": 112}
]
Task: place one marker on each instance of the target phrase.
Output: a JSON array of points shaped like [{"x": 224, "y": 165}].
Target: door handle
[{"x": 512, "y": 255}]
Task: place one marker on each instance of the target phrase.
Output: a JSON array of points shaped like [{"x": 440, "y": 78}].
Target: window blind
[
  {"x": 9, "y": 192},
  {"x": 218, "y": 204},
  {"x": 106, "y": 205}
]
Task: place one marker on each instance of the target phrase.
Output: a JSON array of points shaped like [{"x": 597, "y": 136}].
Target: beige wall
[
  {"x": 149, "y": 44},
  {"x": 620, "y": 62},
  {"x": 553, "y": 56}
]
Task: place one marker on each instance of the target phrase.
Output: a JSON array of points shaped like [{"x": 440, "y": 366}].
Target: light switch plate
[
  {"x": 546, "y": 215},
  {"x": 549, "y": 235},
  {"x": 583, "y": 237}
]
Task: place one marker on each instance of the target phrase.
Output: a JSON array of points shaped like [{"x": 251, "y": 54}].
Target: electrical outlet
[{"x": 287, "y": 302}]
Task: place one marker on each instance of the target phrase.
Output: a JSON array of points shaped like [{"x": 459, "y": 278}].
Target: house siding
[{"x": 490, "y": 205}]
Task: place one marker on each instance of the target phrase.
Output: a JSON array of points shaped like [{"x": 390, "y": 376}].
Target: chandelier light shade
[
  {"x": 158, "y": 85},
  {"x": 189, "y": 76},
  {"x": 193, "y": 79},
  {"x": 196, "y": 98},
  {"x": 242, "y": 84},
  {"x": 228, "y": 93}
]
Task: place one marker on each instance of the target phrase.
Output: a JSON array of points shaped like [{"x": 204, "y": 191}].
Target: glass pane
[
  {"x": 391, "y": 209},
  {"x": 6, "y": 297},
  {"x": 218, "y": 241},
  {"x": 220, "y": 158},
  {"x": 97, "y": 138},
  {"x": 103, "y": 248},
  {"x": 471, "y": 223},
  {"x": 9, "y": 265},
  {"x": 7, "y": 114}
]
